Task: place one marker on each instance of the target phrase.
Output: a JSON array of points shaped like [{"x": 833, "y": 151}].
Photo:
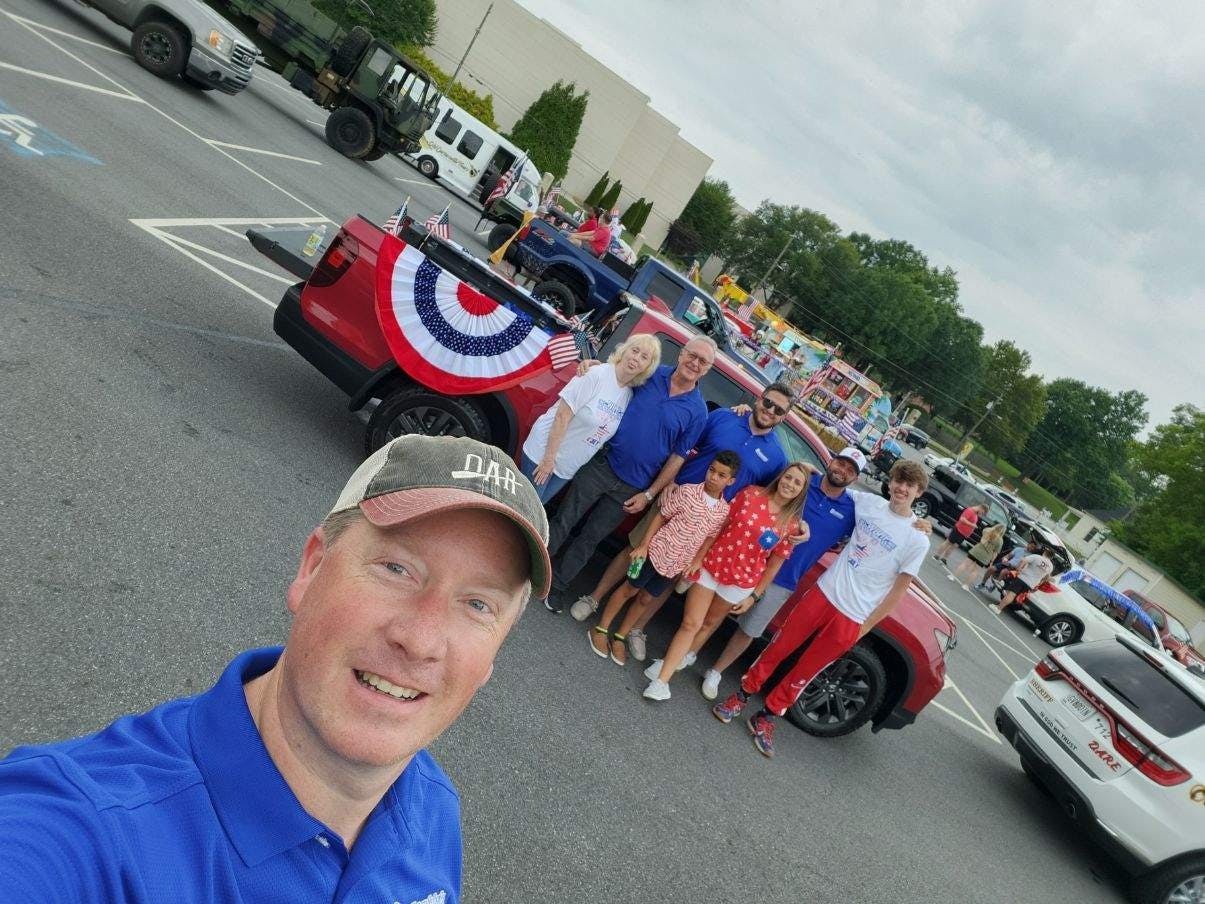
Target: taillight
[
  {"x": 1148, "y": 759},
  {"x": 1047, "y": 668},
  {"x": 340, "y": 254}
]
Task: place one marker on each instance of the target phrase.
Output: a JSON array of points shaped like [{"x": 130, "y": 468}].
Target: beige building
[
  {"x": 1119, "y": 566},
  {"x": 518, "y": 55}
]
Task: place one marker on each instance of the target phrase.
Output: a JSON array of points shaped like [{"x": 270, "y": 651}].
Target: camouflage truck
[{"x": 380, "y": 102}]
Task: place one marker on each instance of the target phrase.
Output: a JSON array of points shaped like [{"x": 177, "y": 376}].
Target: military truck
[{"x": 380, "y": 102}]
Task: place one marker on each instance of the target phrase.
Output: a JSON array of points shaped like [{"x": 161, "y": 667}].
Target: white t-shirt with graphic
[
  {"x": 883, "y": 545},
  {"x": 1034, "y": 569},
  {"x": 598, "y": 403}
]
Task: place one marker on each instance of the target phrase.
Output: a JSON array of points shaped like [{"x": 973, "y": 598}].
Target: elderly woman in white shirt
[{"x": 586, "y": 415}]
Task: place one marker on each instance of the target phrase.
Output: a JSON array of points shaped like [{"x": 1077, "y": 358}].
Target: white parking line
[
  {"x": 228, "y": 221},
  {"x": 34, "y": 31},
  {"x": 167, "y": 239},
  {"x": 241, "y": 147},
  {"x": 983, "y": 727},
  {"x": 231, "y": 260},
  {"x": 66, "y": 81},
  {"x": 67, "y": 34},
  {"x": 414, "y": 181},
  {"x": 980, "y": 634}
]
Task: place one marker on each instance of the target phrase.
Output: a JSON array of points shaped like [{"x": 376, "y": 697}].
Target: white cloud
[{"x": 1049, "y": 153}]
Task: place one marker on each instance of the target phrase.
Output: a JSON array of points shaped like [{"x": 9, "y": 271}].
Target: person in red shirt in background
[
  {"x": 591, "y": 222},
  {"x": 735, "y": 568},
  {"x": 598, "y": 239},
  {"x": 962, "y": 530}
]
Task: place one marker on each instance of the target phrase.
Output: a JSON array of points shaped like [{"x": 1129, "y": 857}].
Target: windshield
[{"x": 1178, "y": 631}]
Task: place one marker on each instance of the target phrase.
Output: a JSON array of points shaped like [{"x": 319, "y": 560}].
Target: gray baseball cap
[{"x": 415, "y": 475}]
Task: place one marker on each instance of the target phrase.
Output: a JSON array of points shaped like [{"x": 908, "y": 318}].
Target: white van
[{"x": 469, "y": 157}]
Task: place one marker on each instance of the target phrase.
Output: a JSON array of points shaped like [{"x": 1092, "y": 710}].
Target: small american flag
[
  {"x": 746, "y": 310},
  {"x": 814, "y": 380},
  {"x": 394, "y": 224},
  {"x": 438, "y": 224},
  {"x": 502, "y": 186},
  {"x": 563, "y": 349},
  {"x": 550, "y": 198}
]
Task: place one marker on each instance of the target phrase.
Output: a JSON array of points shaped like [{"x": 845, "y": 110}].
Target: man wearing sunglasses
[{"x": 751, "y": 435}]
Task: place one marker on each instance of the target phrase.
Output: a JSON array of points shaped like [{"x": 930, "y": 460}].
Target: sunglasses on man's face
[{"x": 771, "y": 407}]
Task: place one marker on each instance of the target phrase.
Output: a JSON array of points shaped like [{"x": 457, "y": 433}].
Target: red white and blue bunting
[{"x": 450, "y": 336}]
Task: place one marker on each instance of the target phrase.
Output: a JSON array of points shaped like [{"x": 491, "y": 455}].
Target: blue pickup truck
[{"x": 576, "y": 282}]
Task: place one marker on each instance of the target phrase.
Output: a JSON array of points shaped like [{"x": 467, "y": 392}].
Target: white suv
[
  {"x": 1064, "y": 614},
  {"x": 1116, "y": 732}
]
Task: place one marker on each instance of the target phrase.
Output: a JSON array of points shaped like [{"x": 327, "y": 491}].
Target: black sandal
[
  {"x": 622, "y": 640},
  {"x": 598, "y": 629}
]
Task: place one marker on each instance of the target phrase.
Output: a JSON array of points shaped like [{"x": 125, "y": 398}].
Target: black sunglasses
[{"x": 771, "y": 407}]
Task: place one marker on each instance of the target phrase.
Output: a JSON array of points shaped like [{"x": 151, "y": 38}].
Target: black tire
[
  {"x": 1060, "y": 630},
  {"x": 416, "y": 409},
  {"x": 428, "y": 167},
  {"x": 350, "y": 51},
  {"x": 350, "y": 132},
  {"x": 378, "y": 151},
  {"x": 557, "y": 294},
  {"x": 159, "y": 48},
  {"x": 498, "y": 236},
  {"x": 195, "y": 82},
  {"x": 922, "y": 507},
  {"x": 843, "y": 697},
  {"x": 1157, "y": 886}
]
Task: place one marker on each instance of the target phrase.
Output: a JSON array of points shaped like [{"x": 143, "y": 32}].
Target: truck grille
[{"x": 243, "y": 56}]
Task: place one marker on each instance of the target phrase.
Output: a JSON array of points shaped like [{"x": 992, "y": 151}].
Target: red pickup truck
[{"x": 331, "y": 319}]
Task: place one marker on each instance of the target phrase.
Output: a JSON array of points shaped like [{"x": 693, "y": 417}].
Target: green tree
[
  {"x": 1169, "y": 528},
  {"x": 611, "y": 196},
  {"x": 708, "y": 216},
  {"x": 597, "y": 191},
  {"x": 637, "y": 215},
  {"x": 549, "y": 129},
  {"x": 1081, "y": 446},
  {"x": 951, "y": 370},
  {"x": 403, "y": 23},
  {"x": 1018, "y": 398}
]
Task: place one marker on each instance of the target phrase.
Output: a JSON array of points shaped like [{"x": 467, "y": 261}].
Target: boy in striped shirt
[{"x": 688, "y": 515}]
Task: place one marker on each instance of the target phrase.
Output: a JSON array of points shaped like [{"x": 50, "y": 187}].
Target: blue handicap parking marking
[{"x": 28, "y": 139}]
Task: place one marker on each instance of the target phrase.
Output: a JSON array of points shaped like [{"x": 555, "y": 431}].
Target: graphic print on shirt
[
  {"x": 436, "y": 897},
  {"x": 609, "y": 415},
  {"x": 768, "y": 539},
  {"x": 867, "y": 540}
]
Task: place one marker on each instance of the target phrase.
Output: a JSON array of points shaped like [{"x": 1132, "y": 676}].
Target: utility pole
[
  {"x": 472, "y": 41},
  {"x": 761, "y": 283},
  {"x": 963, "y": 440}
]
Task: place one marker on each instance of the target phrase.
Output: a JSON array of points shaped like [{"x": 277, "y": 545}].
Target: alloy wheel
[{"x": 837, "y": 694}]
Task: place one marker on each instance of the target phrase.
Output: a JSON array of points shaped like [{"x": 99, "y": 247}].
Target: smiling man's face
[{"x": 395, "y": 629}]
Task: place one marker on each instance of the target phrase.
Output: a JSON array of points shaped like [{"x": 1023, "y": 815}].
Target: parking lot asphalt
[{"x": 165, "y": 457}]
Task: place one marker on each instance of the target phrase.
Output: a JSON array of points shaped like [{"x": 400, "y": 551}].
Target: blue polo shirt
[
  {"x": 762, "y": 457},
  {"x": 655, "y": 426},
  {"x": 183, "y": 804},
  {"x": 829, "y": 521}
]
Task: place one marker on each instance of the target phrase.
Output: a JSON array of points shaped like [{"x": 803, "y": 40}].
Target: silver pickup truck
[{"x": 185, "y": 38}]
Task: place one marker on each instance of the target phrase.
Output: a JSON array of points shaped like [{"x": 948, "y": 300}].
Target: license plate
[{"x": 1081, "y": 707}]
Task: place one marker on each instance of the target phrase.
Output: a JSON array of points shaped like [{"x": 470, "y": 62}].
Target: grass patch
[
  {"x": 1007, "y": 470},
  {"x": 1041, "y": 499}
]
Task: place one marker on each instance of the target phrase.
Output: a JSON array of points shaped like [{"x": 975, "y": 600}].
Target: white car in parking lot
[
  {"x": 1064, "y": 613},
  {"x": 1116, "y": 732}
]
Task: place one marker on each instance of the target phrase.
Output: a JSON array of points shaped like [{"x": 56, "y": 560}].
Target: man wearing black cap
[{"x": 301, "y": 775}]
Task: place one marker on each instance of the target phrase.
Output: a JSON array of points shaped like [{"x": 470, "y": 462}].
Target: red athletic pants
[{"x": 838, "y": 634}]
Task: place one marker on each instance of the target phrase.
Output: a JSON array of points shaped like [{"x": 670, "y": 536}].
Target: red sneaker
[
  {"x": 762, "y": 729},
  {"x": 730, "y": 708}
]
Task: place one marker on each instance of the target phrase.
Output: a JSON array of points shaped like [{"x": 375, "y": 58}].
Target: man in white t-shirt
[
  {"x": 858, "y": 591},
  {"x": 1031, "y": 571}
]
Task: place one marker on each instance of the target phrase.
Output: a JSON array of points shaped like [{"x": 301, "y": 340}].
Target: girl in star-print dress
[{"x": 737, "y": 565}]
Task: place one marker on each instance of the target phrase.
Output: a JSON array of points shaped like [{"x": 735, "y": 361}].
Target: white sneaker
[
  {"x": 711, "y": 684},
  {"x": 583, "y": 608},
  {"x": 654, "y": 669},
  {"x": 657, "y": 690},
  {"x": 637, "y": 644},
  {"x": 687, "y": 661}
]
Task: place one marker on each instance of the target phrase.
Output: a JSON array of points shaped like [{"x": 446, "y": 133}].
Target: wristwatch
[
  {"x": 757, "y": 596},
  {"x": 648, "y": 495}
]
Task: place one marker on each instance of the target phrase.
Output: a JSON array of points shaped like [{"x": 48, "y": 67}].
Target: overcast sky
[{"x": 1051, "y": 154}]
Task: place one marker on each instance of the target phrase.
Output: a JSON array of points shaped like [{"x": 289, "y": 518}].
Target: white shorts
[{"x": 729, "y": 593}]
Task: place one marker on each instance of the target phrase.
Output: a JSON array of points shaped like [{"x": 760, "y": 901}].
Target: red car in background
[
  {"x": 331, "y": 320},
  {"x": 1175, "y": 637}
]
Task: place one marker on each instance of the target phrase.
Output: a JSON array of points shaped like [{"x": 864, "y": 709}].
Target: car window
[
  {"x": 448, "y": 129},
  {"x": 667, "y": 289},
  {"x": 1091, "y": 594},
  {"x": 947, "y": 480},
  {"x": 1140, "y": 686},
  {"x": 797, "y": 448},
  {"x": 1178, "y": 631},
  {"x": 1156, "y": 617},
  {"x": 470, "y": 144}
]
